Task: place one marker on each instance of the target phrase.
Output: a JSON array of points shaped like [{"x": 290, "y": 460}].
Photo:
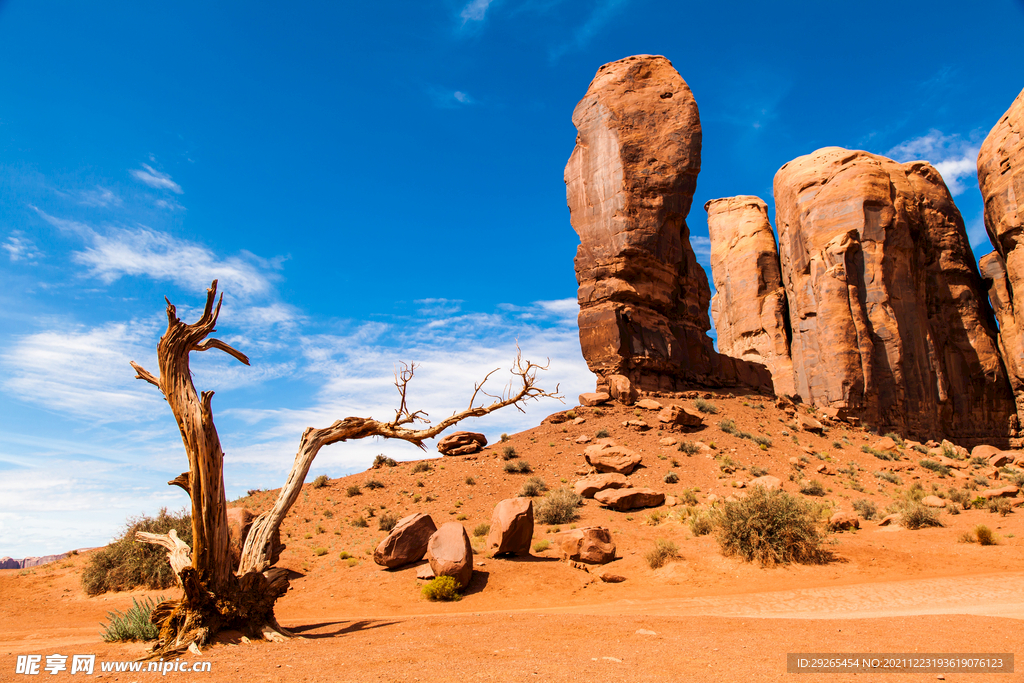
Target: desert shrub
[
  {"x": 959, "y": 496},
  {"x": 966, "y": 537},
  {"x": 763, "y": 441},
  {"x": 320, "y": 482},
  {"x": 504, "y": 437},
  {"x": 517, "y": 467},
  {"x": 541, "y": 545},
  {"x": 482, "y": 529},
  {"x": 689, "y": 448},
  {"x": 360, "y": 522},
  {"x": 344, "y": 555},
  {"x": 865, "y": 508},
  {"x": 328, "y": 514},
  {"x": 890, "y": 477},
  {"x": 978, "y": 461},
  {"x": 508, "y": 453},
  {"x": 421, "y": 466},
  {"x": 705, "y": 406},
  {"x": 442, "y": 588},
  {"x": 253, "y": 492},
  {"x": 895, "y": 437},
  {"x": 756, "y": 471},
  {"x": 133, "y": 623},
  {"x": 1000, "y": 505},
  {"x": 915, "y": 493},
  {"x": 838, "y": 445},
  {"x": 373, "y": 484},
  {"x": 701, "y": 523},
  {"x": 936, "y": 467},
  {"x": 470, "y": 481},
  {"x": 688, "y": 497},
  {"x": 728, "y": 426},
  {"x": 671, "y": 478},
  {"x": 984, "y": 535},
  {"x": 126, "y": 564},
  {"x": 920, "y": 449},
  {"x": 881, "y": 455},
  {"x": 601, "y": 434},
  {"x": 812, "y": 488},
  {"x": 662, "y": 552},
  {"x": 558, "y": 507},
  {"x": 319, "y": 551},
  {"x": 771, "y": 527},
  {"x": 532, "y": 487},
  {"x": 917, "y": 516},
  {"x": 384, "y": 461},
  {"x": 353, "y": 490},
  {"x": 387, "y": 521}
]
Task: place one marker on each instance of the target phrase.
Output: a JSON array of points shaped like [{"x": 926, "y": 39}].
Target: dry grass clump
[
  {"x": 984, "y": 535},
  {"x": 812, "y": 488},
  {"x": 865, "y": 508},
  {"x": 482, "y": 529},
  {"x": 320, "y": 482},
  {"x": 508, "y": 453},
  {"x": 771, "y": 527},
  {"x": 1001, "y": 506},
  {"x": 387, "y": 521},
  {"x": 662, "y": 552},
  {"x": 917, "y": 516},
  {"x": 701, "y": 523},
  {"x": 558, "y": 507},
  {"x": 517, "y": 467},
  {"x": 126, "y": 564},
  {"x": 384, "y": 461},
  {"x": 421, "y": 466},
  {"x": 705, "y": 407},
  {"x": 533, "y": 487}
]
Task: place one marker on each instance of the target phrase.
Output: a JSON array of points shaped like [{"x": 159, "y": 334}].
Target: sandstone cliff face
[
  {"x": 629, "y": 185},
  {"x": 1001, "y": 179},
  {"x": 885, "y": 300},
  {"x": 749, "y": 307}
]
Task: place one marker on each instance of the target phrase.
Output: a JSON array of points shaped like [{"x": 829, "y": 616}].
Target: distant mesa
[
  {"x": 29, "y": 562},
  {"x": 629, "y": 185}
]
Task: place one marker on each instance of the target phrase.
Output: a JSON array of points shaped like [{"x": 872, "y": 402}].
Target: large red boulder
[
  {"x": 406, "y": 543},
  {"x": 450, "y": 553},
  {"x": 511, "y": 527}
]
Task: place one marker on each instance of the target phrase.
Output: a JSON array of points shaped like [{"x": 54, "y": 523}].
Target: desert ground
[{"x": 701, "y": 617}]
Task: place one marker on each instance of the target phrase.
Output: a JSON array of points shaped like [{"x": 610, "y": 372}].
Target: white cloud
[
  {"x": 462, "y": 97},
  {"x": 431, "y": 307},
  {"x": 953, "y": 157},
  {"x": 21, "y": 248},
  {"x": 448, "y": 99},
  {"x": 144, "y": 252},
  {"x": 155, "y": 179},
  {"x": 701, "y": 248},
  {"x": 475, "y": 10},
  {"x": 101, "y": 197}
]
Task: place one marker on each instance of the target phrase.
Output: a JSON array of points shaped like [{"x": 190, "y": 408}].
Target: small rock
[
  {"x": 406, "y": 543},
  {"x": 556, "y": 418},
  {"x": 933, "y": 502},
  {"x": 671, "y": 501},
  {"x": 960, "y": 451},
  {"x": 579, "y": 420},
  {"x": 591, "y": 544},
  {"x": 648, "y": 404},
  {"x": 808, "y": 423},
  {"x": 1004, "y": 492},
  {"x": 984, "y": 452},
  {"x": 583, "y": 438},
  {"x": 768, "y": 481},
  {"x": 629, "y": 499},
  {"x": 669, "y": 441},
  {"x": 461, "y": 443},
  {"x": 1001, "y": 458},
  {"x": 637, "y": 424},
  {"x": 606, "y": 458},
  {"x": 621, "y": 389},
  {"x": 612, "y": 578},
  {"x": 678, "y": 415},
  {"x": 884, "y": 444},
  {"x": 595, "y": 398},
  {"x": 893, "y": 519},
  {"x": 843, "y": 521},
  {"x": 645, "y": 632},
  {"x": 425, "y": 573}
]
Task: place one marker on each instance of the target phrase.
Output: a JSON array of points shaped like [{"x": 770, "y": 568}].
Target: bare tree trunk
[{"x": 215, "y": 597}]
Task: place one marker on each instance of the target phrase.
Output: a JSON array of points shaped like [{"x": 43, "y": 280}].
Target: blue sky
[{"x": 371, "y": 183}]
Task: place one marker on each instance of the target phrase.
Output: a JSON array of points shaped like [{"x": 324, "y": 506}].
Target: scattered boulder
[
  {"x": 1001, "y": 458},
  {"x": 843, "y": 521},
  {"x": 1004, "y": 492},
  {"x": 583, "y": 438},
  {"x": 648, "y": 404},
  {"x": 668, "y": 441},
  {"x": 886, "y": 303},
  {"x": 638, "y": 425},
  {"x": 556, "y": 418},
  {"x": 893, "y": 520},
  {"x": 616, "y": 459},
  {"x": 588, "y": 486},
  {"x": 511, "y": 527},
  {"x": 678, "y": 415},
  {"x": 608, "y": 577},
  {"x": 629, "y": 499},
  {"x": 630, "y": 181},
  {"x": 450, "y": 553},
  {"x": 595, "y": 398},
  {"x": 885, "y": 444},
  {"x": 425, "y": 572},
  {"x": 579, "y": 420},
  {"x": 933, "y": 502},
  {"x": 808, "y": 423},
  {"x": 957, "y": 450},
  {"x": 406, "y": 543},
  {"x": 984, "y": 452},
  {"x": 749, "y": 307},
  {"x": 461, "y": 443},
  {"x": 592, "y": 544}
]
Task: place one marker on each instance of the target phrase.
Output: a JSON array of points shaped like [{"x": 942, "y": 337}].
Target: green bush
[
  {"x": 558, "y": 507},
  {"x": 133, "y": 623},
  {"x": 705, "y": 407},
  {"x": 662, "y": 552},
  {"x": 442, "y": 588},
  {"x": 481, "y": 529},
  {"x": 541, "y": 545},
  {"x": 320, "y": 551},
  {"x": 387, "y": 521},
  {"x": 943, "y": 470},
  {"x": 320, "y": 482},
  {"x": 771, "y": 527},
  {"x": 126, "y": 564},
  {"x": 728, "y": 426},
  {"x": 917, "y": 516},
  {"x": 532, "y": 487},
  {"x": 671, "y": 478}
]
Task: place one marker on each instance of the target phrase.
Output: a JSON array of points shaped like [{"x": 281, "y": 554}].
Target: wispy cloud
[
  {"x": 449, "y": 99},
  {"x": 155, "y": 179},
  {"x": 101, "y": 197},
  {"x": 953, "y": 157},
  {"x": 603, "y": 12},
  {"x": 475, "y": 10},
  {"x": 148, "y": 253},
  {"x": 701, "y": 248},
  {"x": 21, "y": 248},
  {"x": 435, "y": 307}
]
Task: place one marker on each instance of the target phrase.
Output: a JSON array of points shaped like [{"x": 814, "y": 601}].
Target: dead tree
[{"x": 215, "y": 596}]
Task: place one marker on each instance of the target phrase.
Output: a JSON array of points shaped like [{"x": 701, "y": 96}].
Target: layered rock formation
[
  {"x": 1001, "y": 179},
  {"x": 629, "y": 185},
  {"x": 885, "y": 300},
  {"x": 749, "y": 306}
]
